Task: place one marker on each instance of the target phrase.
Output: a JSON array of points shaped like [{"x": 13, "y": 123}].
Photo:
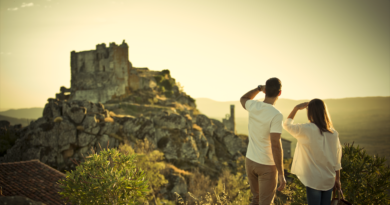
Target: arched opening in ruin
[{"x": 104, "y": 69}]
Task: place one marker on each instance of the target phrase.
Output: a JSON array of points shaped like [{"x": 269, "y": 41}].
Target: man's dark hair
[{"x": 272, "y": 87}]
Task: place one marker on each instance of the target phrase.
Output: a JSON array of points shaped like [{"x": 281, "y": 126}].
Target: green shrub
[
  {"x": 296, "y": 191},
  {"x": 158, "y": 79},
  {"x": 167, "y": 84},
  {"x": 166, "y": 72},
  {"x": 365, "y": 179},
  {"x": 152, "y": 163},
  {"x": 168, "y": 94},
  {"x": 109, "y": 177}
]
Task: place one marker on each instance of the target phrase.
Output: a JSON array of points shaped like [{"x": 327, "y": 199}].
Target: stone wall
[
  {"x": 100, "y": 75},
  {"x": 105, "y": 74}
]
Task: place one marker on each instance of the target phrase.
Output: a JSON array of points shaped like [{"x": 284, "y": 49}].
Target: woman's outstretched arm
[
  {"x": 294, "y": 129},
  {"x": 296, "y": 108}
]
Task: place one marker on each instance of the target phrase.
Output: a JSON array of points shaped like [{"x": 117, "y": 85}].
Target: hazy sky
[{"x": 216, "y": 49}]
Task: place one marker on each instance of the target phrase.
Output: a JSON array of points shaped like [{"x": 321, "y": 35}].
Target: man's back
[{"x": 264, "y": 119}]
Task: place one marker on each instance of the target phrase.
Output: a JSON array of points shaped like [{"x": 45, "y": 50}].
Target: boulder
[
  {"x": 90, "y": 124},
  {"x": 109, "y": 128},
  {"x": 105, "y": 142},
  {"x": 76, "y": 114},
  {"x": 52, "y": 109},
  {"x": 202, "y": 144},
  {"x": 170, "y": 121},
  {"x": 72, "y": 134},
  {"x": 235, "y": 143},
  {"x": 85, "y": 139},
  {"x": 205, "y": 123},
  {"x": 189, "y": 150},
  {"x": 177, "y": 183},
  {"x": 140, "y": 128},
  {"x": 219, "y": 129}
]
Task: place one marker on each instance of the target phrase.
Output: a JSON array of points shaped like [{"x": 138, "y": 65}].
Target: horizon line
[{"x": 7, "y": 109}]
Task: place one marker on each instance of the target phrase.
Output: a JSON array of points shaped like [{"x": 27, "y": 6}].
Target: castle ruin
[
  {"x": 229, "y": 122},
  {"x": 103, "y": 74}
]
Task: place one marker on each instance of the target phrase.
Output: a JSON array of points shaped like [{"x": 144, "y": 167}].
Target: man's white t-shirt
[{"x": 264, "y": 119}]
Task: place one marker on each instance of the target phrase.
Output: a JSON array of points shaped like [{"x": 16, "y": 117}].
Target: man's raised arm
[{"x": 251, "y": 94}]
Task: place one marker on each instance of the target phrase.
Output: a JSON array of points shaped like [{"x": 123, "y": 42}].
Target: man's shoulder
[{"x": 274, "y": 110}]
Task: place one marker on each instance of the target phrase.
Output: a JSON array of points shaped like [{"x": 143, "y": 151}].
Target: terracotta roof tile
[{"x": 32, "y": 179}]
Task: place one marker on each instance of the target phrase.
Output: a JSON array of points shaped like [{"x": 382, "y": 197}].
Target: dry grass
[
  {"x": 199, "y": 185},
  {"x": 58, "y": 119},
  {"x": 179, "y": 171},
  {"x": 108, "y": 119},
  {"x": 196, "y": 127}
]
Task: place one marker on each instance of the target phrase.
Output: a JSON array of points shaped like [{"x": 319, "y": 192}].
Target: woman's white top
[{"x": 317, "y": 157}]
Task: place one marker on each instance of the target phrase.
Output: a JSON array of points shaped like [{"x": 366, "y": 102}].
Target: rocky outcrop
[{"x": 70, "y": 130}]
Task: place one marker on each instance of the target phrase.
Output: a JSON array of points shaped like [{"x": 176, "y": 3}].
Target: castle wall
[{"x": 100, "y": 75}]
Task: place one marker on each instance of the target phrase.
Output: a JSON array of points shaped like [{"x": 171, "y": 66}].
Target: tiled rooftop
[{"x": 32, "y": 179}]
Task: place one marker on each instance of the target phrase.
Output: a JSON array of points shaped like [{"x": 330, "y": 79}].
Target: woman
[{"x": 317, "y": 157}]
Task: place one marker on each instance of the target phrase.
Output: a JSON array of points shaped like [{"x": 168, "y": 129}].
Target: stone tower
[
  {"x": 230, "y": 122},
  {"x": 100, "y": 75}
]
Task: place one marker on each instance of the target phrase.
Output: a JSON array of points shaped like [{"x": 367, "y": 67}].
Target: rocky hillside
[{"x": 164, "y": 116}]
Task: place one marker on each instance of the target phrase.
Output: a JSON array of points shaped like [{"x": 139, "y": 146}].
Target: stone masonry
[{"x": 104, "y": 74}]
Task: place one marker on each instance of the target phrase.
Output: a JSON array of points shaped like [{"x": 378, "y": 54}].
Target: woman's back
[{"x": 317, "y": 156}]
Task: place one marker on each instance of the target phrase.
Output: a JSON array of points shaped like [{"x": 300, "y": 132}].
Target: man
[{"x": 264, "y": 157}]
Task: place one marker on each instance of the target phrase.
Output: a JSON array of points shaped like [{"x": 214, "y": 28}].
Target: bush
[
  {"x": 364, "y": 179},
  {"x": 167, "y": 84},
  {"x": 158, "y": 78},
  {"x": 165, "y": 72},
  {"x": 152, "y": 163},
  {"x": 109, "y": 177},
  {"x": 168, "y": 94}
]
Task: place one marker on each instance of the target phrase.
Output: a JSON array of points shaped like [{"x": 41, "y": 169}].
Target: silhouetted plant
[
  {"x": 7, "y": 140},
  {"x": 166, "y": 72},
  {"x": 167, "y": 84}
]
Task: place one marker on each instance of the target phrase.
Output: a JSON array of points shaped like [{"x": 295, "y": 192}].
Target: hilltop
[{"x": 148, "y": 108}]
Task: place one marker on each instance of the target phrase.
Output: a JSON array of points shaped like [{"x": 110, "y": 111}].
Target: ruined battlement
[{"x": 102, "y": 74}]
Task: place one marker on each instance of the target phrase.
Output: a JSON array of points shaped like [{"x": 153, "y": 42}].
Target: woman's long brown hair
[{"x": 317, "y": 113}]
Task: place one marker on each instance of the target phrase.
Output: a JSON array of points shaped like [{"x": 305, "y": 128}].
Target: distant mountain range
[
  {"x": 29, "y": 113},
  {"x": 218, "y": 109}
]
